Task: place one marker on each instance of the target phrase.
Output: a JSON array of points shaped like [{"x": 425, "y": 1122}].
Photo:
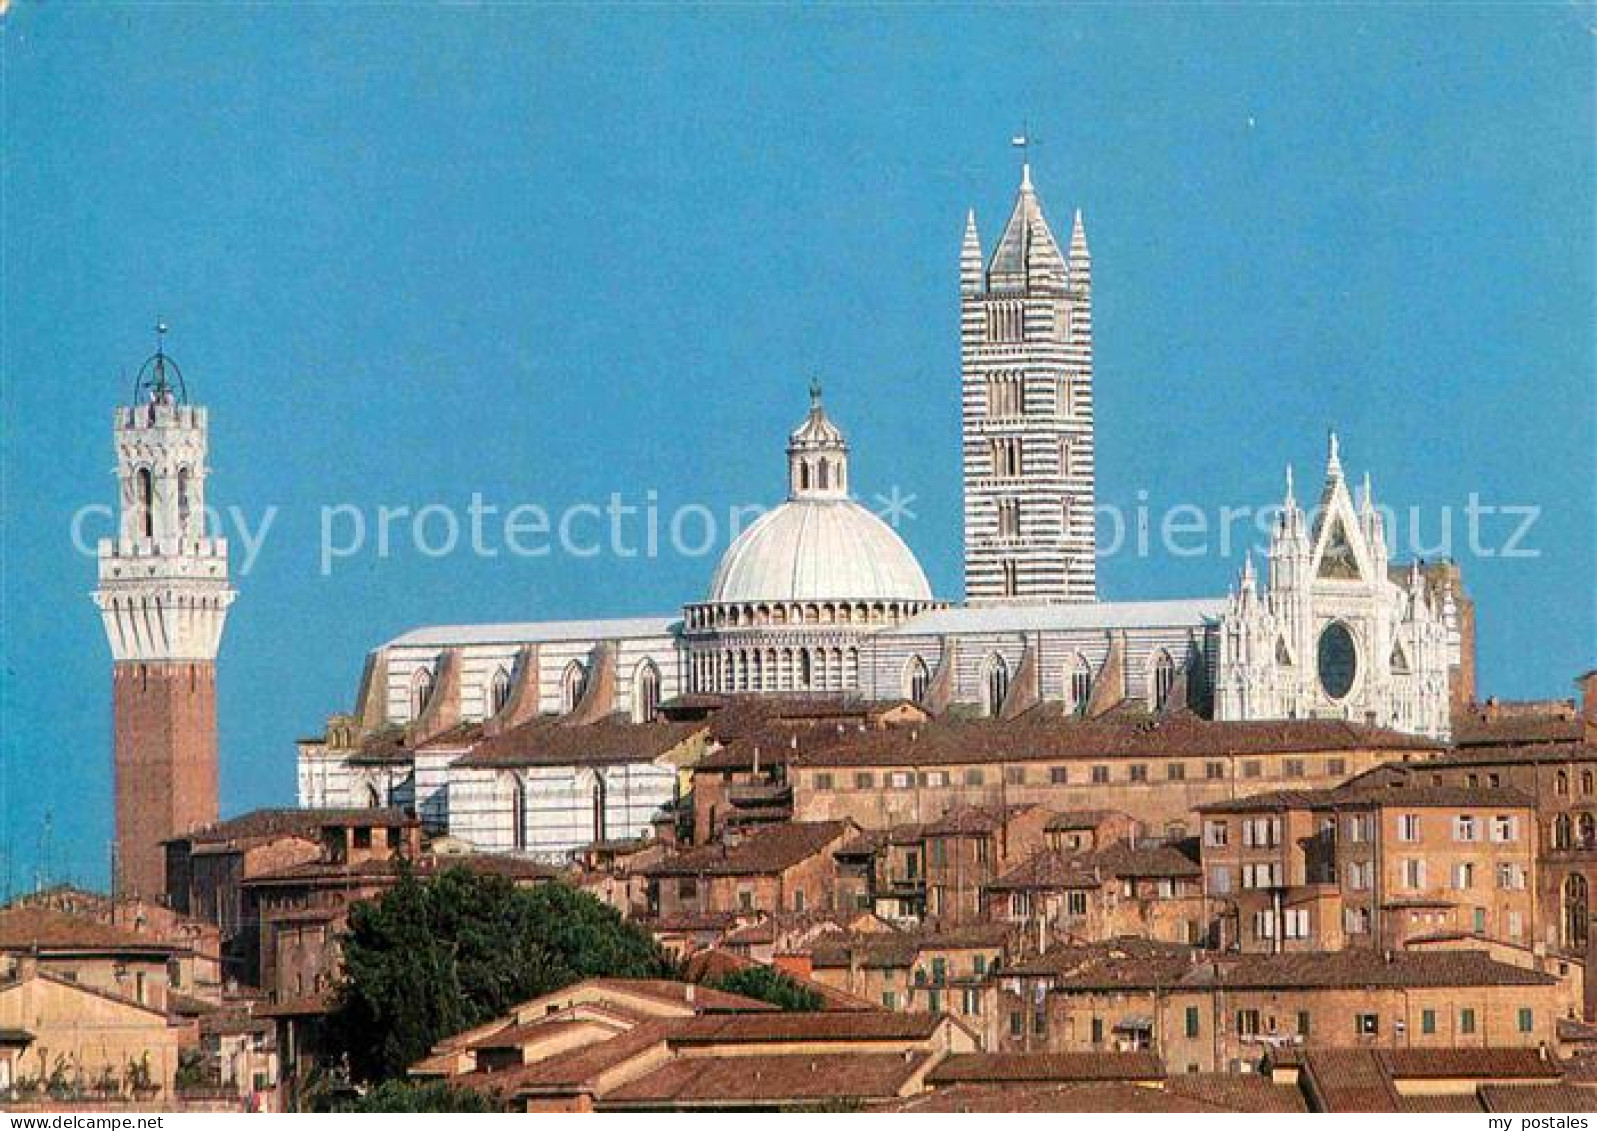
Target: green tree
[
  {"x": 432, "y": 957},
  {"x": 409, "y": 1096},
  {"x": 766, "y": 983}
]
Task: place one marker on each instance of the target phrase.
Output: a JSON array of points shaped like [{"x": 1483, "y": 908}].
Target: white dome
[{"x": 818, "y": 550}]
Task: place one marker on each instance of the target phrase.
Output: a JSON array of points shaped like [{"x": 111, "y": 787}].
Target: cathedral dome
[
  {"x": 818, "y": 550},
  {"x": 820, "y": 545}
]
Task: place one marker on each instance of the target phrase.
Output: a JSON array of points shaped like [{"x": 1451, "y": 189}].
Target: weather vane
[{"x": 1023, "y": 141}]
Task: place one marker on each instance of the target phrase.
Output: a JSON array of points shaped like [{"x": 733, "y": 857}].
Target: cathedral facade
[{"x": 819, "y": 596}]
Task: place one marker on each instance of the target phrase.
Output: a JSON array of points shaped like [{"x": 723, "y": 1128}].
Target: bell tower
[
  {"x": 1026, "y": 379},
  {"x": 163, "y": 597}
]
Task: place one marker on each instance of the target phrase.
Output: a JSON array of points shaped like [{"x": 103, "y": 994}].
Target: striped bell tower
[{"x": 1026, "y": 365}]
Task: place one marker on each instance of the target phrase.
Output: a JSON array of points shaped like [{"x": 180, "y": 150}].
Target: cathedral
[{"x": 541, "y": 736}]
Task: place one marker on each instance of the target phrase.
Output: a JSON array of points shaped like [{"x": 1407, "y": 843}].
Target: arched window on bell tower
[
  {"x": 146, "y": 502},
  {"x": 184, "y": 502}
]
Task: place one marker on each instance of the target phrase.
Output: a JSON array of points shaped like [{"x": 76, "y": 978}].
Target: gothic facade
[{"x": 1333, "y": 633}]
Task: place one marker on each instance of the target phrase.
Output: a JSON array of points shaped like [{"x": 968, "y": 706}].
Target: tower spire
[
  {"x": 970, "y": 257},
  {"x": 1078, "y": 238}
]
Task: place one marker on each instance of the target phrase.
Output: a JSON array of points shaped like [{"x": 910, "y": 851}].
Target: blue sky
[{"x": 548, "y": 254}]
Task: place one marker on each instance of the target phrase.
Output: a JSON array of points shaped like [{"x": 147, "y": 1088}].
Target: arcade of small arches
[{"x": 702, "y": 618}]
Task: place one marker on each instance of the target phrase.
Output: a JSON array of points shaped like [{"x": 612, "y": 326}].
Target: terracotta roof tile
[
  {"x": 42, "y": 928},
  {"x": 1442, "y": 1063},
  {"x": 763, "y": 851},
  {"x": 1053, "y": 1067},
  {"x": 1030, "y": 1097},
  {"x": 742, "y": 1080},
  {"x": 270, "y": 824},
  {"x": 991, "y": 740},
  {"x": 1079, "y": 820},
  {"x": 1240, "y": 1091},
  {"x": 1532, "y": 1098}
]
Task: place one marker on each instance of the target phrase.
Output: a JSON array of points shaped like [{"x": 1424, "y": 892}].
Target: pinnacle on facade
[
  {"x": 1333, "y": 459},
  {"x": 970, "y": 256},
  {"x": 1078, "y": 240}
]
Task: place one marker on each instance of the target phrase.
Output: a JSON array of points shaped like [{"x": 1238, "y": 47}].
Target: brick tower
[
  {"x": 1026, "y": 360},
  {"x": 163, "y": 596}
]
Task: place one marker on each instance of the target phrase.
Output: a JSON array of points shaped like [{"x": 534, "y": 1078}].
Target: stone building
[
  {"x": 1363, "y": 866},
  {"x": 163, "y": 597},
  {"x": 83, "y": 1041},
  {"x": 1161, "y": 770},
  {"x": 1206, "y": 1012},
  {"x": 787, "y": 867}
]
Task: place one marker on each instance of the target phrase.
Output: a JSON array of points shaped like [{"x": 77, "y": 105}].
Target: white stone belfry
[
  {"x": 1026, "y": 363},
  {"x": 1335, "y": 634},
  {"x": 163, "y": 590}
]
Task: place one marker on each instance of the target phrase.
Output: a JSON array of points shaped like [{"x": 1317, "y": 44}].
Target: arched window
[
  {"x": 1586, "y": 781},
  {"x": 572, "y": 684},
  {"x": 1164, "y": 679},
  {"x": 646, "y": 693},
  {"x": 518, "y": 813},
  {"x": 498, "y": 691},
  {"x": 1576, "y": 914},
  {"x": 421, "y": 690},
  {"x": 1563, "y": 831},
  {"x": 597, "y": 803},
  {"x": 1009, "y": 518},
  {"x": 1587, "y": 824},
  {"x": 995, "y": 685},
  {"x": 1011, "y": 579},
  {"x": 146, "y": 501},
  {"x": 1079, "y": 686},
  {"x": 805, "y": 673},
  {"x": 917, "y": 680},
  {"x": 183, "y": 502},
  {"x": 1561, "y": 784}
]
